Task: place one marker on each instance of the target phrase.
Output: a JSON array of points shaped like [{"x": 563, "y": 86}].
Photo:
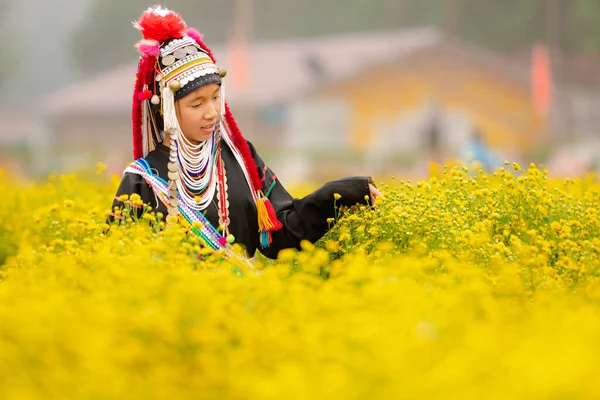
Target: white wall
[{"x": 317, "y": 124}]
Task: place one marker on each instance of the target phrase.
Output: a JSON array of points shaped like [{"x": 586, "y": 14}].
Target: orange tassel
[
  {"x": 264, "y": 223},
  {"x": 267, "y": 220}
]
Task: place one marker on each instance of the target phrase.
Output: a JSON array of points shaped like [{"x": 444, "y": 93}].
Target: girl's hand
[{"x": 374, "y": 192}]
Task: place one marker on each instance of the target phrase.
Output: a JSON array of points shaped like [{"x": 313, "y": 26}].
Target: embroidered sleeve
[{"x": 269, "y": 181}]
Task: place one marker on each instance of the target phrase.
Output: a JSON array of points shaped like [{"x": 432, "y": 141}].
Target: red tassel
[
  {"x": 145, "y": 95},
  {"x": 136, "y": 113},
  {"x": 144, "y": 74},
  {"x": 272, "y": 215}
]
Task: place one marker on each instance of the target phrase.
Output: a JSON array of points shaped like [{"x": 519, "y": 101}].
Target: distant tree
[
  {"x": 10, "y": 64},
  {"x": 502, "y": 25},
  {"x": 513, "y": 24},
  {"x": 582, "y": 27}
]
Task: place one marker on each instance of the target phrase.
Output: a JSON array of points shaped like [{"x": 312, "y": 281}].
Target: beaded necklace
[
  {"x": 198, "y": 184},
  {"x": 196, "y": 169}
]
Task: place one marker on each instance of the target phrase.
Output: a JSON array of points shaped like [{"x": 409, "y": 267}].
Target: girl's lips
[{"x": 208, "y": 128}]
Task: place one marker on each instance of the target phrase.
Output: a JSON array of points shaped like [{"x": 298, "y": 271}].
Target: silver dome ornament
[{"x": 155, "y": 100}]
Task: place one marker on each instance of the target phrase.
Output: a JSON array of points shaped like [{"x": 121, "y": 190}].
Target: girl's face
[{"x": 199, "y": 111}]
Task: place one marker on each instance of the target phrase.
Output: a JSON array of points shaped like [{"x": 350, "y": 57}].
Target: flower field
[{"x": 465, "y": 285}]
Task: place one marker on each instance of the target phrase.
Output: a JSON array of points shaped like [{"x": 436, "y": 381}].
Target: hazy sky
[{"x": 39, "y": 32}]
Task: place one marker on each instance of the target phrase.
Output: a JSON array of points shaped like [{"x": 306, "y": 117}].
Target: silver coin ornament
[
  {"x": 173, "y": 167},
  {"x": 168, "y": 60},
  {"x": 180, "y": 53}
]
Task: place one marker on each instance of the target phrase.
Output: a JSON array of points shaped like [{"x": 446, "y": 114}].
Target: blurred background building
[{"x": 323, "y": 88}]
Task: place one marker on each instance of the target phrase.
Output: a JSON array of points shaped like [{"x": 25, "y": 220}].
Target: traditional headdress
[{"x": 175, "y": 62}]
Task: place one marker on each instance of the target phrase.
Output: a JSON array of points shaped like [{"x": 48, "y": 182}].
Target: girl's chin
[{"x": 201, "y": 137}]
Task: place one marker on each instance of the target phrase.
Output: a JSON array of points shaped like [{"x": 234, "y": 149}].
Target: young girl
[{"x": 192, "y": 162}]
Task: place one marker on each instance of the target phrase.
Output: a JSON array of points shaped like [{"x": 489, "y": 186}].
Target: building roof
[{"x": 278, "y": 71}]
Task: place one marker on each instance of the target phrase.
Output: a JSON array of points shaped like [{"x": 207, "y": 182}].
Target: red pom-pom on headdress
[{"x": 160, "y": 24}]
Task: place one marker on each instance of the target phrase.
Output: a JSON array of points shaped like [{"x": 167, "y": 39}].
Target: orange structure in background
[{"x": 541, "y": 79}]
